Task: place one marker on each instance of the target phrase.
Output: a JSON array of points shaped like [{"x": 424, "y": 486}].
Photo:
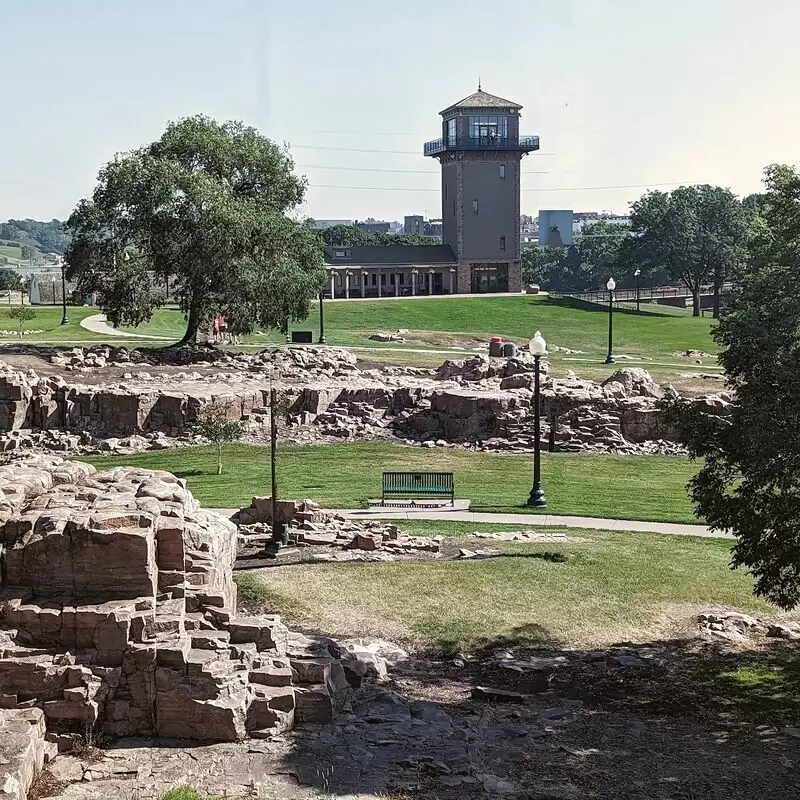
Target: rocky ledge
[{"x": 118, "y": 617}]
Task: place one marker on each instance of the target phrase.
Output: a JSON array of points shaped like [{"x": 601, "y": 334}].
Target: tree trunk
[
  {"x": 219, "y": 459},
  {"x": 717, "y": 288},
  {"x": 192, "y": 326},
  {"x": 696, "y": 300}
]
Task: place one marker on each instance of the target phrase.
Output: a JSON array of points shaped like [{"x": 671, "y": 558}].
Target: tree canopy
[
  {"x": 205, "y": 208},
  {"x": 585, "y": 265},
  {"x": 750, "y": 480},
  {"x": 47, "y": 237},
  {"x": 353, "y": 236},
  {"x": 698, "y": 234}
]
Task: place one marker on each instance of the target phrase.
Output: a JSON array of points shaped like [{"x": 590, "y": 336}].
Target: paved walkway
[
  {"x": 524, "y": 520},
  {"x": 97, "y": 323}
]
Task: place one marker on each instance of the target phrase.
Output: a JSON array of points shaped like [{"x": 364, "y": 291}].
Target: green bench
[{"x": 417, "y": 485}]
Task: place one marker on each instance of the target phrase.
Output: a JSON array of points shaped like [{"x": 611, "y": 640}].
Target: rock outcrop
[
  {"x": 117, "y": 614},
  {"x": 474, "y": 402}
]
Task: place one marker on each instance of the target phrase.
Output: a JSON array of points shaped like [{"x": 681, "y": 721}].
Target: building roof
[
  {"x": 481, "y": 99},
  {"x": 393, "y": 254}
]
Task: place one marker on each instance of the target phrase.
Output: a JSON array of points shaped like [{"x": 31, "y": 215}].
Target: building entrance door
[{"x": 438, "y": 285}]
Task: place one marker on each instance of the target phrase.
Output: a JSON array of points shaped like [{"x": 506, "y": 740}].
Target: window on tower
[
  {"x": 503, "y": 243},
  {"x": 451, "y": 132},
  {"x": 474, "y": 206},
  {"x": 503, "y": 171},
  {"x": 488, "y": 130}
]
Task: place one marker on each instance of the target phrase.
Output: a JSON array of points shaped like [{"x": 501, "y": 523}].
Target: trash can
[
  {"x": 496, "y": 347},
  {"x": 509, "y": 350}
]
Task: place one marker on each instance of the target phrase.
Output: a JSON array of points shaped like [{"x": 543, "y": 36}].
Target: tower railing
[{"x": 526, "y": 143}]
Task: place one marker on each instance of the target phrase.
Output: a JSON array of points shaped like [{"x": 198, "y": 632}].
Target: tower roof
[{"x": 481, "y": 99}]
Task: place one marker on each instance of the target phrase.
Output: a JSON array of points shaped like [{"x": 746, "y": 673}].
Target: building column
[
  {"x": 380, "y": 294},
  {"x": 363, "y": 283},
  {"x": 347, "y": 285},
  {"x": 430, "y": 283},
  {"x": 452, "y": 275},
  {"x": 413, "y": 283},
  {"x": 333, "y": 284},
  {"x": 397, "y": 284}
]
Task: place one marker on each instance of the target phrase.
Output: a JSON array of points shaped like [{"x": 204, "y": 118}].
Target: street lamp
[
  {"x": 538, "y": 347},
  {"x": 611, "y": 285},
  {"x": 64, "y": 318},
  {"x": 321, "y": 339},
  {"x": 636, "y": 275}
]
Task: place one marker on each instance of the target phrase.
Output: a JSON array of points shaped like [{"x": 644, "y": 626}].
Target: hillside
[{"x": 43, "y": 237}]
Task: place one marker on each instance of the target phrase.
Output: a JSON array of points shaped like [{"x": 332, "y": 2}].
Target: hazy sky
[{"x": 621, "y": 92}]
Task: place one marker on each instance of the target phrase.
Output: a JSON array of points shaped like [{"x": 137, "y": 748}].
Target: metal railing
[
  {"x": 629, "y": 295},
  {"x": 481, "y": 143}
]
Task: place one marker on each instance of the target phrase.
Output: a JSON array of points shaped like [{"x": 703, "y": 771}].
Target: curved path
[
  {"x": 526, "y": 520},
  {"x": 97, "y": 323}
]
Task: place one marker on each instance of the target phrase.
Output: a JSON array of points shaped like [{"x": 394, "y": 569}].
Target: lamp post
[
  {"x": 321, "y": 339},
  {"x": 636, "y": 275},
  {"x": 537, "y": 497},
  {"x": 53, "y": 285},
  {"x": 64, "y": 318},
  {"x": 611, "y": 285}
]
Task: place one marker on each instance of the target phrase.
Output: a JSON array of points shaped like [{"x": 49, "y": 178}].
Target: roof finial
[{"x": 479, "y": 82}]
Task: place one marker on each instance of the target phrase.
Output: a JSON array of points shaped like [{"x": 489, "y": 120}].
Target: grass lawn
[
  {"x": 346, "y": 475},
  {"x": 48, "y": 319},
  {"x": 589, "y": 589},
  {"x": 654, "y": 333}
]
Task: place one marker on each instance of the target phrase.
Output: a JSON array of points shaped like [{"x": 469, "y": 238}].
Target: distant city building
[
  {"x": 480, "y": 152},
  {"x": 580, "y": 219},
  {"x": 373, "y": 226},
  {"x": 322, "y": 224},
  {"x": 414, "y": 225},
  {"x": 555, "y": 228}
]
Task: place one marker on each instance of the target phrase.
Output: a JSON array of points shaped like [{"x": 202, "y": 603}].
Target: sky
[{"x": 625, "y": 95}]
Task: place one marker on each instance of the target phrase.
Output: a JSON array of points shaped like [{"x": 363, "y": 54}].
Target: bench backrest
[{"x": 420, "y": 482}]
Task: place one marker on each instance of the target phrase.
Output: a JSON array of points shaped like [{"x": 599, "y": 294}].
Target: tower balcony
[{"x": 523, "y": 144}]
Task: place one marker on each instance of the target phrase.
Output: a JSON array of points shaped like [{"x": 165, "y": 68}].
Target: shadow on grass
[
  {"x": 191, "y": 473},
  {"x": 601, "y": 307}
]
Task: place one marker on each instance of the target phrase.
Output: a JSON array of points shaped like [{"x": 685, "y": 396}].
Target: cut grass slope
[
  {"x": 346, "y": 475},
  {"x": 654, "y": 333}
]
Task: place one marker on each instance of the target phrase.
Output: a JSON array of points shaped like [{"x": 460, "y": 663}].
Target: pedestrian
[{"x": 223, "y": 329}]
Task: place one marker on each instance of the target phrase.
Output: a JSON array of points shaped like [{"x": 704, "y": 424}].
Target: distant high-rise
[{"x": 480, "y": 151}]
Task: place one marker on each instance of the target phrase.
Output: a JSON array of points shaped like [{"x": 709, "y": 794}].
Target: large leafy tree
[
  {"x": 698, "y": 234},
  {"x": 750, "y": 480},
  {"x": 204, "y": 208}
]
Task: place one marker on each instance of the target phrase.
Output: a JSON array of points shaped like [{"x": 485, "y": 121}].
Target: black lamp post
[
  {"x": 53, "y": 284},
  {"x": 321, "y": 316},
  {"x": 636, "y": 275},
  {"x": 537, "y": 497},
  {"x": 611, "y": 285},
  {"x": 64, "y": 318}
]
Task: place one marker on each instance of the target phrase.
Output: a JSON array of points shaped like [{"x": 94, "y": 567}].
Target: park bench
[{"x": 417, "y": 485}]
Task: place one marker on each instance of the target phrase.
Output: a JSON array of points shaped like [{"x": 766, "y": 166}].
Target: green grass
[
  {"x": 11, "y": 253},
  {"x": 654, "y": 333},
  {"x": 48, "y": 319},
  {"x": 346, "y": 475},
  {"x": 588, "y": 589}
]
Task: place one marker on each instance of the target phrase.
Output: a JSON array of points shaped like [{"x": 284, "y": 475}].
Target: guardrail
[
  {"x": 630, "y": 295},
  {"x": 481, "y": 143}
]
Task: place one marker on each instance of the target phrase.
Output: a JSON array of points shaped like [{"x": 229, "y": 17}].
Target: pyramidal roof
[{"x": 481, "y": 99}]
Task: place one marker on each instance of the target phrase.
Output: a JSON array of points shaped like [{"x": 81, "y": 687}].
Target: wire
[
  {"x": 372, "y": 150},
  {"x": 548, "y": 189},
  {"x": 376, "y": 169}
]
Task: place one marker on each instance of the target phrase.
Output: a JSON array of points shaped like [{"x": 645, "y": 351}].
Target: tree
[
  {"x": 586, "y": 264},
  {"x": 206, "y": 205},
  {"x": 697, "y": 233},
  {"x": 216, "y": 427},
  {"x": 9, "y": 280},
  {"x": 353, "y": 236},
  {"x": 27, "y": 253},
  {"x": 22, "y": 314},
  {"x": 749, "y": 483}
]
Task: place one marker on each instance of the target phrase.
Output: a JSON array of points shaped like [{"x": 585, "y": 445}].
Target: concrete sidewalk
[{"x": 523, "y": 520}]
